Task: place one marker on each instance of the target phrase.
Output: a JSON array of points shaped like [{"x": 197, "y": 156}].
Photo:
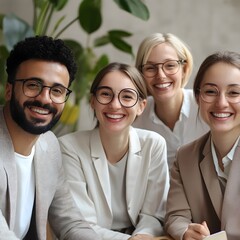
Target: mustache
[{"x": 39, "y": 104}]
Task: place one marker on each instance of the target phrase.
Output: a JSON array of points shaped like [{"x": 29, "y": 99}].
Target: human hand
[
  {"x": 138, "y": 236},
  {"x": 142, "y": 237},
  {"x": 196, "y": 231}
]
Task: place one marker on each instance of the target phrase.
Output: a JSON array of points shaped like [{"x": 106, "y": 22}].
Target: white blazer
[{"x": 147, "y": 180}]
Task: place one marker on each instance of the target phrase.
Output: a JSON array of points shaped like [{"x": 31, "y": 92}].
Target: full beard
[{"x": 18, "y": 115}]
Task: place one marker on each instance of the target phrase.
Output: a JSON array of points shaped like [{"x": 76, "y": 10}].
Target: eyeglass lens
[
  {"x": 169, "y": 68},
  {"x": 210, "y": 93},
  {"x": 33, "y": 88},
  {"x": 127, "y": 97}
]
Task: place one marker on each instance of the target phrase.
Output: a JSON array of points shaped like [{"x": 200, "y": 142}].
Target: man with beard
[{"x": 33, "y": 190}]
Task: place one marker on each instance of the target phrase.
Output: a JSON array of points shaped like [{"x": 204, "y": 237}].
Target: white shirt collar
[{"x": 227, "y": 160}]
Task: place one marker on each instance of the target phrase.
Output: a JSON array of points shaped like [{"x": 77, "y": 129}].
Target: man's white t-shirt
[{"x": 25, "y": 193}]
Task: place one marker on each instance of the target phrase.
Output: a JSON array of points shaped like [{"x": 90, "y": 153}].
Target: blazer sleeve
[
  {"x": 178, "y": 215},
  {"x": 64, "y": 217},
  {"x": 75, "y": 175}
]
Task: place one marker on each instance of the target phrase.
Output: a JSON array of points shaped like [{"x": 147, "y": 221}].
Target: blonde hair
[{"x": 181, "y": 48}]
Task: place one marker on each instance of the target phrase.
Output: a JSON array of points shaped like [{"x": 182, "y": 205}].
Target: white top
[
  {"x": 188, "y": 127},
  {"x": 227, "y": 160},
  {"x": 25, "y": 194},
  {"x": 117, "y": 176}
]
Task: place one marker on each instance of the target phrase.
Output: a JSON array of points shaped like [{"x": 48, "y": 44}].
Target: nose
[
  {"x": 115, "y": 103},
  {"x": 44, "y": 95},
  {"x": 222, "y": 100},
  {"x": 160, "y": 71}
]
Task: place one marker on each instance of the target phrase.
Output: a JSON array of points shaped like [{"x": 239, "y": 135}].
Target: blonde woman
[{"x": 166, "y": 64}]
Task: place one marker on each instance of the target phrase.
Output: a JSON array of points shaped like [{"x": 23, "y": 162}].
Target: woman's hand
[
  {"x": 148, "y": 237},
  {"x": 196, "y": 231}
]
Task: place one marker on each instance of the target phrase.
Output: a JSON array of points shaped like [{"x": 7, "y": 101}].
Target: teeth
[
  {"x": 163, "y": 85},
  {"x": 114, "y": 116},
  {"x": 222, "y": 115},
  {"x": 40, "y": 111}
]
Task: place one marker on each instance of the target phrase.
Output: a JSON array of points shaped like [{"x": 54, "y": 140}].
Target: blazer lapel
[
  {"x": 133, "y": 173},
  {"x": 11, "y": 173},
  {"x": 8, "y": 158},
  {"x": 101, "y": 165},
  {"x": 41, "y": 184},
  {"x": 211, "y": 179},
  {"x": 231, "y": 206}
]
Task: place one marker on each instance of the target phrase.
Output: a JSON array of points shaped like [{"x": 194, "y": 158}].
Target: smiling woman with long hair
[
  {"x": 118, "y": 175},
  {"x": 166, "y": 64},
  {"x": 204, "y": 193}
]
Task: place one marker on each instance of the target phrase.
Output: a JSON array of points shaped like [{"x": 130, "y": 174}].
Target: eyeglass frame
[
  {"x": 113, "y": 95},
  {"x": 155, "y": 65},
  {"x": 24, "y": 80},
  {"x": 218, "y": 94}
]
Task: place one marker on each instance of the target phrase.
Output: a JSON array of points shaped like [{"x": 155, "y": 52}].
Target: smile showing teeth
[
  {"x": 40, "y": 111},
  {"x": 163, "y": 85},
  {"x": 221, "y": 115},
  {"x": 115, "y": 116}
]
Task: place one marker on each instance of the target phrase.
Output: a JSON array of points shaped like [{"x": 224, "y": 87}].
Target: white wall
[{"x": 205, "y": 25}]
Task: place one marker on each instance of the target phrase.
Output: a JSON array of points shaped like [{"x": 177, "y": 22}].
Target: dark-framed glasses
[
  {"x": 32, "y": 87},
  {"x": 210, "y": 93},
  {"x": 127, "y": 97},
  {"x": 169, "y": 67}
]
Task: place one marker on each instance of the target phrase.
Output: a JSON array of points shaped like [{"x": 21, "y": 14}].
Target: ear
[
  {"x": 141, "y": 106},
  {"x": 8, "y": 91}
]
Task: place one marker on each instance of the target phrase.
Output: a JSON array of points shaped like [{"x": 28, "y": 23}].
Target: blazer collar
[{"x": 100, "y": 163}]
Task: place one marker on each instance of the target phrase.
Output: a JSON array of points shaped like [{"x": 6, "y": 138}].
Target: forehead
[
  {"x": 117, "y": 81},
  {"x": 50, "y": 72},
  {"x": 162, "y": 52},
  {"x": 222, "y": 74}
]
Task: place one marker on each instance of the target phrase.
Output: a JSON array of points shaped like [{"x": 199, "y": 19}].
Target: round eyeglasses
[
  {"x": 169, "y": 67},
  {"x": 32, "y": 87},
  {"x": 127, "y": 97},
  {"x": 210, "y": 93}
]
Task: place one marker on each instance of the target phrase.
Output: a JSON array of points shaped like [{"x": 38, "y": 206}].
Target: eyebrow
[
  {"x": 165, "y": 60},
  {"x": 42, "y": 81},
  {"x": 215, "y": 85}
]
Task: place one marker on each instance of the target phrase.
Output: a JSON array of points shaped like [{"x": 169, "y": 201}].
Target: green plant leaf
[
  {"x": 135, "y": 7},
  {"x": 15, "y": 30},
  {"x": 101, "y": 41},
  {"x": 90, "y": 17},
  {"x": 115, "y": 37},
  {"x": 58, "y": 4},
  {"x": 102, "y": 61},
  {"x": 121, "y": 44},
  {"x": 75, "y": 46},
  {"x": 57, "y": 24},
  {"x": 119, "y": 33}
]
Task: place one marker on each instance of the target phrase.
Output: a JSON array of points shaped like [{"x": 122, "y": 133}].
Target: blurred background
[{"x": 205, "y": 26}]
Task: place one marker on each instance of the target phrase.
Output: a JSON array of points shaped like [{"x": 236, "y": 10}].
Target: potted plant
[{"x": 14, "y": 29}]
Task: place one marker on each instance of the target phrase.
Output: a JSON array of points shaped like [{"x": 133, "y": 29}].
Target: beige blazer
[
  {"x": 195, "y": 194},
  {"x": 52, "y": 200},
  {"x": 147, "y": 180}
]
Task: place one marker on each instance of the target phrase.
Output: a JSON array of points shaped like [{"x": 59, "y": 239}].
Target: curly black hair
[{"x": 42, "y": 48}]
